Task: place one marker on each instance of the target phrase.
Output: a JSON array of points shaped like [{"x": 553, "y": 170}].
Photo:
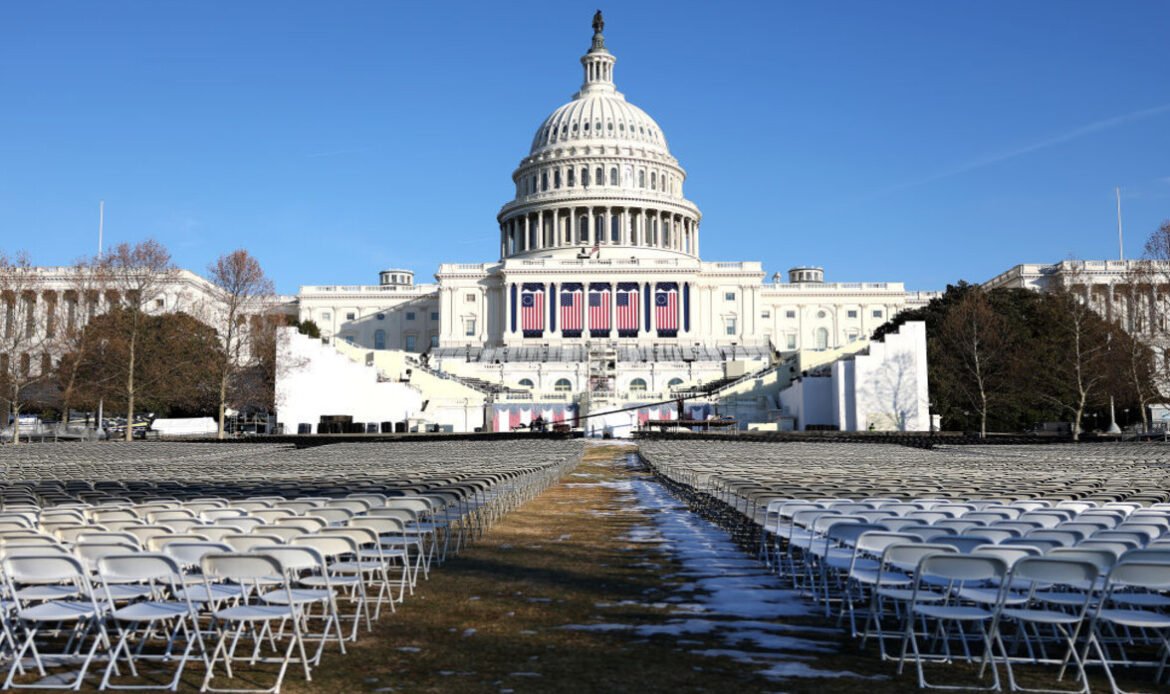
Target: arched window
[
  {"x": 379, "y": 339},
  {"x": 654, "y": 231},
  {"x": 557, "y": 178},
  {"x": 638, "y": 385},
  {"x": 532, "y": 184},
  {"x": 543, "y": 181},
  {"x": 563, "y": 385},
  {"x": 653, "y": 181},
  {"x": 585, "y": 177},
  {"x": 822, "y": 338},
  {"x": 583, "y": 229},
  {"x": 674, "y": 383},
  {"x": 642, "y": 178},
  {"x": 599, "y": 176},
  {"x": 613, "y": 176},
  {"x": 525, "y": 383},
  {"x": 615, "y": 229},
  {"x": 572, "y": 177},
  {"x": 599, "y": 228}
]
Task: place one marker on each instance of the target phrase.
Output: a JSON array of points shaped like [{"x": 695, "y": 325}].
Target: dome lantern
[{"x": 598, "y": 63}]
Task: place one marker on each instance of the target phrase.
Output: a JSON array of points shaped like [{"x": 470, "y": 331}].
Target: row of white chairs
[
  {"x": 112, "y": 572},
  {"x": 1078, "y": 579}
]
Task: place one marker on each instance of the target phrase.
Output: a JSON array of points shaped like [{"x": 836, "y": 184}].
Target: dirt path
[{"x": 493, "y": 619}]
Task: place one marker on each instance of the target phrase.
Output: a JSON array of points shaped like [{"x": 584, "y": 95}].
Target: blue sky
[{"x": 917, "y": 141}]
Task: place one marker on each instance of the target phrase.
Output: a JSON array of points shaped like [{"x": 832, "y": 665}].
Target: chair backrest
[
  {"x": 1103, "y": 559},
  {"x": 1063, "y": 571},
  {"x": 43, "y": 568},
  {"x": 1147, "y": 555},
  {"x": 158, "y": 542},
  {"x": 245, "y": 543},
  {"x": 285, "y": 532},
  {"x": 138, "y": 566},
  {"x": 963, "y": 567},
  {"x": 964, "y": 543},
  {"x": 1039, "y": 543},
  {"x": 1066, "y": 538},
  {"x": 907, "y": 556},
  {"x": 192, "y": 553},
  {"x": 383, "y": 525},
  {"x": 240, "y": 566},
  {"x": 293, "y": 558},
  {"x": 106, "y": 536},
  {"x": 328, "y": 545},
  {"x": 876, "y": 541},
  {"x": 333, "y": 516},
  {"x": 362, "y": 536},
  {"x": 308, "y": 523},
  {"x": 1010, "y": 554},
  {"x": 1140, "y": 574},
  {"x": 994, "y": 535},
  {"x": 89, "y": 554},
  {"x": 1117, "y": 548}
]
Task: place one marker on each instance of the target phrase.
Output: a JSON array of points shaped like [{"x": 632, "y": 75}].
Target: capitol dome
[{"x": 599, "y": 174}]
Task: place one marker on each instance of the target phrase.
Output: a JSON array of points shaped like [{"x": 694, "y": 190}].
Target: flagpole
[
  {"x": 101, "y": 225},
  {"x": 1120, "y": 239}
]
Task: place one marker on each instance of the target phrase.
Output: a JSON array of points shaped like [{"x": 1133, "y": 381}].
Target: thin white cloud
[{"x": 1059, "y": 139}]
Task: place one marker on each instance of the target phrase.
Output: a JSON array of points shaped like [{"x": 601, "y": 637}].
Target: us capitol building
[{"x": 599, "y": 290}]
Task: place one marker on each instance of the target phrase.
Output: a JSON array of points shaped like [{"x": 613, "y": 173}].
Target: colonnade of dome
[{"x": 599, "y": 174}]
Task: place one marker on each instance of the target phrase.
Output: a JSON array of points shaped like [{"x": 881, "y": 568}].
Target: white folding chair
[
  {"x": 957, "y": 571},
  {"x": 172, "y": 619},
  {"x": 252, "y": 615},
  {"x": 33, "y": 614}
]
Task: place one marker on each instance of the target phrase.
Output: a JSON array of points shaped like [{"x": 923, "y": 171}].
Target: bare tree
[
  {"x": 242, "y": 291},
  {"x": 975, "y": 339},
  {"x": 29, "y": 322},
  {"x": 139, "y": 273},
  {"x": 1075, "y": 379},
  {"x": 87, "y": 284}
]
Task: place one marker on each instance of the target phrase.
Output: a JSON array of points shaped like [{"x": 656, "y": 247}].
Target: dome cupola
[{"x": 599, "y": 174}]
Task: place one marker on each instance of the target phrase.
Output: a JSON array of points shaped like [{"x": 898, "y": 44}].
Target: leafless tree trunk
[
  {"x": 140, "y": 273},
  {"x": 1089, "y": 367},
  {"x": 88, "y": 283},
  {"x": 974, "y": 336},
  {"x": 242, "y": 291}
]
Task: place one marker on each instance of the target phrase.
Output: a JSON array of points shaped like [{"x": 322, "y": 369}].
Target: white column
[{"x": 540, "y": 229}]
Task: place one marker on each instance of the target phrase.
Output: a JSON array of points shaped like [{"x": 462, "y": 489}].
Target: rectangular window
[
  {"x": 160, "y": 303},
  {"x": 790, "y": 314},
  {"x": 350, "y": 316},
  {"x": 410, "y": 315},
  {"x": 729, "y": 296},
  {"x": 434, "y": 341},
  {"x": 730, "y": 325},
  {"x": 877, "y": 313},
  {"x": 791, "y": 341},
  {"x": 469, "y": 327},
  {"x": 410, "y": 343},
  {"x": 326, "y": 315},
  {"x": 766, "y": 315},
  {"x": 852, "y": 314},
  {"x": 469, "y": 298},
  {"x": 434, "y": 315}
]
